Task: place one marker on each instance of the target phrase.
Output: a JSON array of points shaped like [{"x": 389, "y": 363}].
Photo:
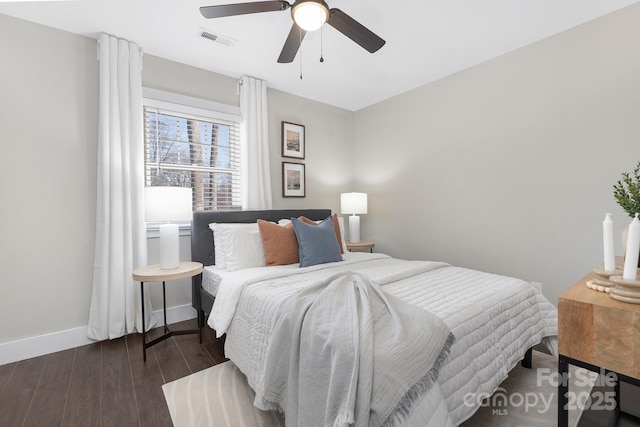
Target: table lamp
[
  {"x": 168, "y": 205},
  {"x": 354, "y": 204}
]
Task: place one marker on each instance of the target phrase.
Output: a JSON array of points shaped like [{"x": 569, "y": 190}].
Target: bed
[{"x": 496, "y": 320}]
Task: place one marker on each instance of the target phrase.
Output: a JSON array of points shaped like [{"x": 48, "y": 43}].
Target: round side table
[{"x": 153, "y": 273}]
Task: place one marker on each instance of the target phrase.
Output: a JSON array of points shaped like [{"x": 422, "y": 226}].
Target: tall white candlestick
[
  {"x": 609, "y": 253},
  {"x": 633, "y": 251}
]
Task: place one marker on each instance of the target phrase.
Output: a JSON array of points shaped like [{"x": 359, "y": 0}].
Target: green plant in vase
[{"x": 627, "y": 194}]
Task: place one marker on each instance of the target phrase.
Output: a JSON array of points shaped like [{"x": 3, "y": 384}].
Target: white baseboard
[
  {"x": 175, "y": 314},
  {"x": 62, "y": 340},
  {"x": 43, "y": 344}
]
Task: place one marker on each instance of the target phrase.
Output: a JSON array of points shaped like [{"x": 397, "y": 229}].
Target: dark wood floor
[
  {"x": 103, "y": 384},
  {"x": 108, "y": 384}
]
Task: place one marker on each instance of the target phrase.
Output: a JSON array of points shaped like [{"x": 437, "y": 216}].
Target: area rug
[{"x": 220, "y": 397}]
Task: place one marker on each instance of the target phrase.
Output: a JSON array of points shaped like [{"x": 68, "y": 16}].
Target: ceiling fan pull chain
[
  {"x": 321, "y": 45},
  {"x": 300, "y": 48}
]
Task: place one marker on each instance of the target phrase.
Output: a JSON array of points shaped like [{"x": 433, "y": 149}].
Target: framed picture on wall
[
  {"x": 292, "y": 140},
  {"x": 293, "y": 180}
]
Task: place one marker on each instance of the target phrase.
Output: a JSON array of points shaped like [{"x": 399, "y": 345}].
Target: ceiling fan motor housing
[{"x": 310, "y": 14}]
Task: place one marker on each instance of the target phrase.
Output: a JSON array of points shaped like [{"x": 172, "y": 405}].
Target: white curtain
[
  {"x": 121, "y": 243},
  {"x": 254, "y": 145}
]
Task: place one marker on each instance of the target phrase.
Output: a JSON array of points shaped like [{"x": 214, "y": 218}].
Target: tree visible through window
[{"x": 198, "y": 152}]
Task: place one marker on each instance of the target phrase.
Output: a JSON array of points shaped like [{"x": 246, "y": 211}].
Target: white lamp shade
[
  {"x": 167, "y": 204},
  {"x": 353, "y": 203},
  {"x": 310, "y": 14}
]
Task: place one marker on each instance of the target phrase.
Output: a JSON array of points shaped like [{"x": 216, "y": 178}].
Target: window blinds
[{"x": 192, "y": 151}]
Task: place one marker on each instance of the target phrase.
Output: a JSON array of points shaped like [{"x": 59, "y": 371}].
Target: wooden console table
[{"x": 597, "y": 333}]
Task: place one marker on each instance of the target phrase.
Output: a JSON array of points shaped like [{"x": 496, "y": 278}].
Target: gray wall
[
  {"x": 329, "y": 136},
  {"x": 48, "y": 133},
  {"x": 49, "y": 122},
  {"x": 508, "y": 166}
]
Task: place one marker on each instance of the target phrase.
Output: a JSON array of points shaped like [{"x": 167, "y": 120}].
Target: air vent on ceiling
[{"x": 218, "y": 38}]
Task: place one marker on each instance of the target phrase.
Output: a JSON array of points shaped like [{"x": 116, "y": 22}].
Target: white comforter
[
  {"x": 495, "y": 320},
  {"x": 343, "y": 352}
]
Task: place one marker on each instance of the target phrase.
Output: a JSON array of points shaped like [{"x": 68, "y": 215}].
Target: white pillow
[
  {"x": 245, "y": 249},
  {"x": 222, "y": 238}
]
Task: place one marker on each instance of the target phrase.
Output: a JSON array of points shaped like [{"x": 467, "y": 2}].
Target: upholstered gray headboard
[{"x": 202, "y": 244}]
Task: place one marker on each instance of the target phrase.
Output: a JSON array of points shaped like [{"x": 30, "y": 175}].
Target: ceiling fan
[{"x": 308, "y": 15}]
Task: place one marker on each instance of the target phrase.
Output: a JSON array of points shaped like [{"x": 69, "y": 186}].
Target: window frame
[{"x": 188, "y": 105}]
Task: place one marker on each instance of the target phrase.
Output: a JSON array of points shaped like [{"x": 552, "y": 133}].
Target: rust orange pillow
[
  {"x": 279, "y": 243},
  {"x": 336, "y": 228}
]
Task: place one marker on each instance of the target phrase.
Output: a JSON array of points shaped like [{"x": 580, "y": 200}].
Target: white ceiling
[{"x": 426, "y": 39}]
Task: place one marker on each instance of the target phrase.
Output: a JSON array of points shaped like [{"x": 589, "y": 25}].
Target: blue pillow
[{"x": 317, "y": 244}]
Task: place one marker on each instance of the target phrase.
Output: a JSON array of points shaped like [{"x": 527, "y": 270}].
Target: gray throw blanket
[{"x": 343, "y": 352}]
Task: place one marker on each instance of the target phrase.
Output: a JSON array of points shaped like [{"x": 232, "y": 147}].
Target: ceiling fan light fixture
[{"x": 310, "y": 14}]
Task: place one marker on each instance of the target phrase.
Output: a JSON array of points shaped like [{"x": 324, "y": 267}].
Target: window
[{"x": 191, "y": 146}]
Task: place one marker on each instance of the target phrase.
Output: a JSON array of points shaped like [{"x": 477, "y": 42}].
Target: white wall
[{"x": 508, "y": 166}]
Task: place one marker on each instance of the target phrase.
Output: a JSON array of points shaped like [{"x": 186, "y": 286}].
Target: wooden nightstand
[
  {"x": 153, "y": 273},
  {"x": 360, "y": 246},
  {"x": 600, "y": 334}
]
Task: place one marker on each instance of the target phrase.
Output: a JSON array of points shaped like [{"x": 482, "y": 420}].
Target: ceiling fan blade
[
  {"x": 292, "y": 44},
  {"x": 223, "y": 10},
  {"x": 355, "y": 30}
]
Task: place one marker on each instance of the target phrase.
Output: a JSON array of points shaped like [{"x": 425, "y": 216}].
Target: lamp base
[
  {"x": 354, "y": 229},
  {"x": 169, "y": 246}
]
